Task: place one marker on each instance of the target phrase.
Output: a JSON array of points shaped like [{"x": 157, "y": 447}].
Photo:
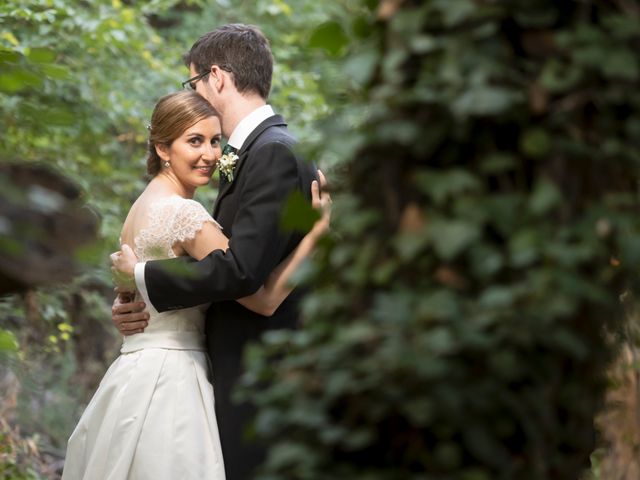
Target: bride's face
[{"x": 193, "y": 155}]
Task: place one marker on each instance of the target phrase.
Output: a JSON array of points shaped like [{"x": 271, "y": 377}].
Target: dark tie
[{"x": 228, "y": 149}]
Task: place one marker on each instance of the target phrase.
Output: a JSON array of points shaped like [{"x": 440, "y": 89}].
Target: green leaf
[
  {"x": 448, "y": 454},
  {"x": 545, "y": 196},
  {"x": 56, "y": 72},
  {"x": 535, "y": 142},
  {"x": 486, "y": 260},
  {"x": 621, "y": 63},
  {"x": 558, "y": 76},
  {"x": 298, "y": 214},
  {"x": 361, "y": 66},
  {"x": 451, "y": 237},
  {"x": 57, "y": 116},
  {"x": 8, "y": 341},
  {"x": 441, "y": 186},
  {"x": 497, "y": 297},
  {"x": 361, "y": 26},
  {"x": 535, "y": 17},
  {"x": 329, "y": 36},
  {"x": 485, "y": 100},
  {"x": 18, "y": 79},
  {"x": 409, "y": 244},
  {"x": 8, "y": 56},
  {"x": 9, "y": 37},
  {"x": 288, "y": 454},
  {"x": 591, "y": 56},
  {"x": 497, "y": 163},
  {"x": 524, "y": 247},
  {"x": 458, "y": 11},
  {"x": 438, "y": 304},
  {"x": 424, "y": 44},
  {"x": 41, "y": 55},
  {"x": 440, "y": 341}
]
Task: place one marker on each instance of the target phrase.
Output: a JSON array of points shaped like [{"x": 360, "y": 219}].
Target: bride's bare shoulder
[{"x": 138, "y": 214}]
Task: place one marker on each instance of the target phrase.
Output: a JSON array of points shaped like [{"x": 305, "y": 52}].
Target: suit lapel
[{"x": 243, "y": 153}]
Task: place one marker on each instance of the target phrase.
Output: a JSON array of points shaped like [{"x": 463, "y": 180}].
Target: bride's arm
[{"x": 277, "y": 287}]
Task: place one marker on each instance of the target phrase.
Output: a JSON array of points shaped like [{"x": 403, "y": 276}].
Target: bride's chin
[{"x": 201, "y": 182}]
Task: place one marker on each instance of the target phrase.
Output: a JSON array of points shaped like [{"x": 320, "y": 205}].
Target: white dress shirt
[{"x": 239, "y": 135}]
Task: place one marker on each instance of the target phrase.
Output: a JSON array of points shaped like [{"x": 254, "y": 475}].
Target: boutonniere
[{"x": 226, "y": 164}]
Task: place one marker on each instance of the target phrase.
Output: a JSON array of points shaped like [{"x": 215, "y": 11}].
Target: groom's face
[{"x": 203, "y": 87}]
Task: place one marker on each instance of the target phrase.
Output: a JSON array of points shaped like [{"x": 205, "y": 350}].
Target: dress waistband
[{"x": 168, "y": 340}]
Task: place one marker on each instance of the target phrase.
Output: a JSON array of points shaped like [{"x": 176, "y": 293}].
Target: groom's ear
[
  {"x": 162, "y": 150},
  {"x": 217, "y": 77}
]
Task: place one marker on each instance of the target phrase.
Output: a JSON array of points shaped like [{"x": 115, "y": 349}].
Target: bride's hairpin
[{"x": 149, "y": 127}]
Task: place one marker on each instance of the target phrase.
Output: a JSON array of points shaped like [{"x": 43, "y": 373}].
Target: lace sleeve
[{"x": 189, "y": 220}]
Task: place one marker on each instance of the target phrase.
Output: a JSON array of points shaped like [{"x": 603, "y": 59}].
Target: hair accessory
[
  {"x": 149, "y": 127},
  {"x": 167, "y": 164}
]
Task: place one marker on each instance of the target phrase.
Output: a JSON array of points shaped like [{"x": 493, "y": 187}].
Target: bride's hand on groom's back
[
  {"x": 123, "y": 264},
  {"x": 320, "y": 200}
]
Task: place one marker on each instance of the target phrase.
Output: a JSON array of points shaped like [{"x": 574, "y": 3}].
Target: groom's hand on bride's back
[{"x": 128, "y": 315}]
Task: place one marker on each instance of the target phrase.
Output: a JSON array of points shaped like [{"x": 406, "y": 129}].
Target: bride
[{"x": 153, "y": 416}]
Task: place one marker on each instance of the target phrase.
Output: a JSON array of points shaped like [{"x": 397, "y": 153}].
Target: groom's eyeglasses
[{"x": 191, "y": 83}]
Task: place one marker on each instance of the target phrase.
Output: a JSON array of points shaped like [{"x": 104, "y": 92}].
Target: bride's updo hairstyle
[{"x": 173, "y": 114}]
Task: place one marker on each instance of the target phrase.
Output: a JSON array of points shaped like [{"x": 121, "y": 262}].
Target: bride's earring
[{"x": 167, "y": 164}]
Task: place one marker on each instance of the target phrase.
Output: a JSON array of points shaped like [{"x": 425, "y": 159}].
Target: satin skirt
[{"x": 152, "y": 417}]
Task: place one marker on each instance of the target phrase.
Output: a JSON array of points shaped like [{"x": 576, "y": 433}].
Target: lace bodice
[{"x": 170, "y": 220}]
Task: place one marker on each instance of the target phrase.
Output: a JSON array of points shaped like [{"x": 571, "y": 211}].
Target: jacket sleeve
[{"x": 256, "y": 246}]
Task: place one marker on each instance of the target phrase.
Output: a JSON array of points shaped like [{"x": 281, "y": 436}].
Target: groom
[{"x": 232, "y": 68}]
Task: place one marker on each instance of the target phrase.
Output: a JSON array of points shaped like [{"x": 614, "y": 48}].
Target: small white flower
[{"x": 226, "y": 164}]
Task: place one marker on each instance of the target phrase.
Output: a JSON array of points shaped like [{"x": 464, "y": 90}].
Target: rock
[{"x": 43, "y": 221}]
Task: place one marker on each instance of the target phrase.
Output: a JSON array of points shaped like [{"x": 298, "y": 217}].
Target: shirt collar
[{"x": 248, "y": 124}]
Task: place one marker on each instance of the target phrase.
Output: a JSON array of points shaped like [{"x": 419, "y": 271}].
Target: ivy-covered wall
[{"x": 466, "y": 306}]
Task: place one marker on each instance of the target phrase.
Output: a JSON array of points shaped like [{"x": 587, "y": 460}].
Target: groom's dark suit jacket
[{"x": 249, "y": 209}]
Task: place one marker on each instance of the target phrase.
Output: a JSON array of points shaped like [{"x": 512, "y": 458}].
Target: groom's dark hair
[{"x": 240, "y": 49}]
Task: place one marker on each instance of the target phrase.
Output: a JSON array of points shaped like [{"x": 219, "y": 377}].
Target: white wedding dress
[{"x": 153, "y": 416}]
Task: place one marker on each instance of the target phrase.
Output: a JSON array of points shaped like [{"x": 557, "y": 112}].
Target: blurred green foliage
[
  {"x": 78, "y": 82},
  {"x": 486, "y": 223}
]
